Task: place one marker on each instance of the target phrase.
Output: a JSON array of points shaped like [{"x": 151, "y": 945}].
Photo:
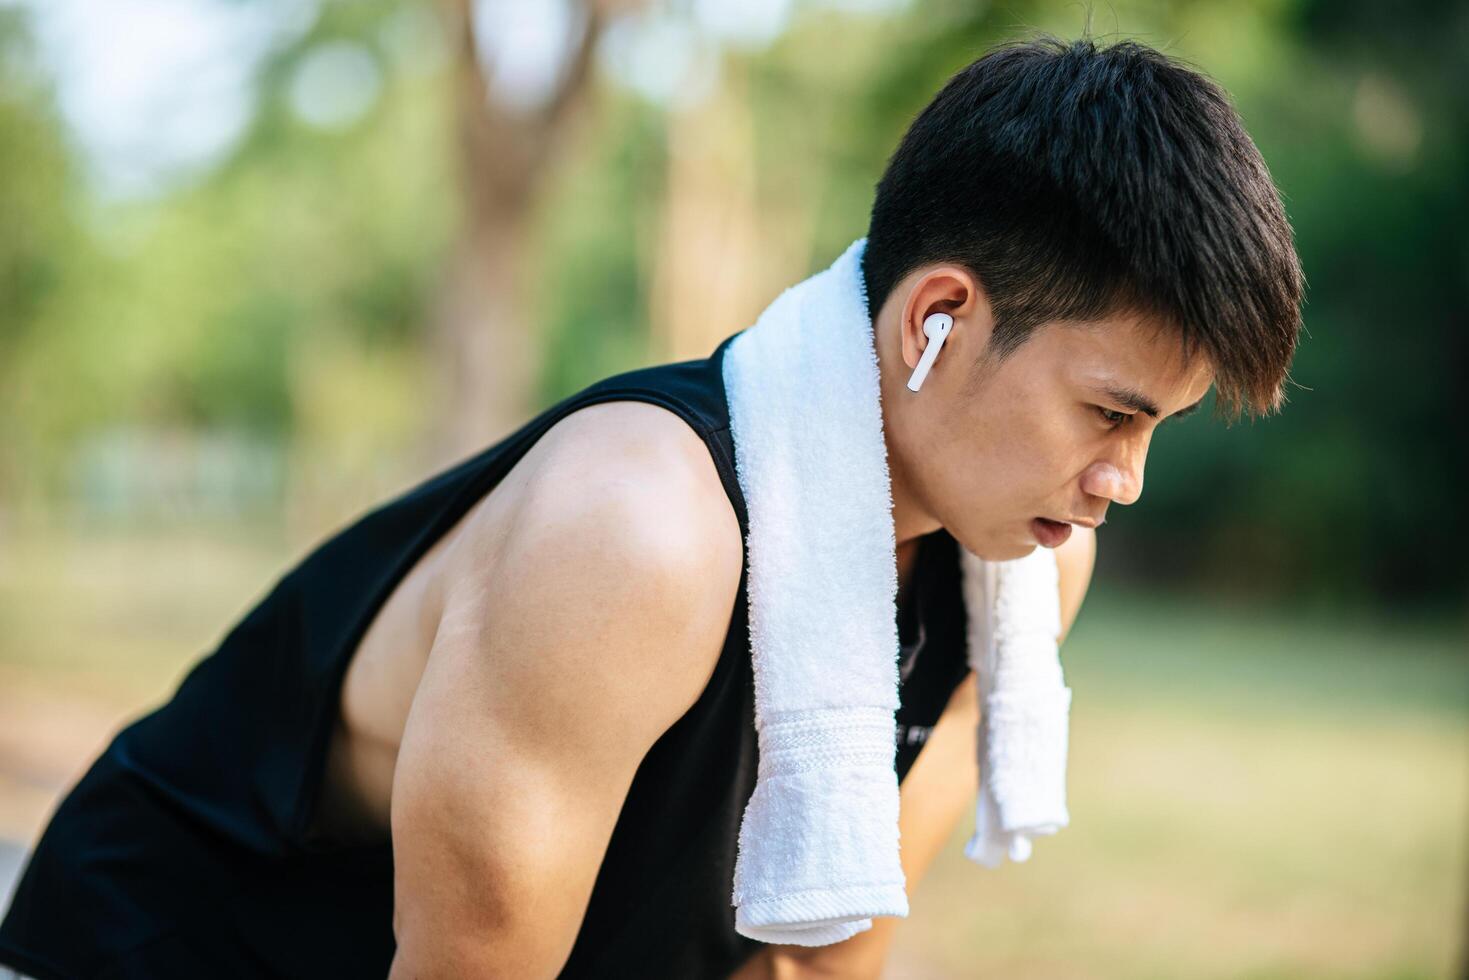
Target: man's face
[{"x": 985, "y": 450}]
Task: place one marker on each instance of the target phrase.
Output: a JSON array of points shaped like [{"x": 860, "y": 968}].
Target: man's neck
[{"x": 909, "y": 521}]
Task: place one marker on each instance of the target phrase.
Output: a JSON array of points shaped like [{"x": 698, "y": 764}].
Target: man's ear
[{"x": 946, "y": 288}]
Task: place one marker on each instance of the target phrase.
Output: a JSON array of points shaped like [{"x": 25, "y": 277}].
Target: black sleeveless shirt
[{"x": 185, "y": 850}]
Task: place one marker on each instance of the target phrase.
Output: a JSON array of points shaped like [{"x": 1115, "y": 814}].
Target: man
[{"x": 502, "y": 725}]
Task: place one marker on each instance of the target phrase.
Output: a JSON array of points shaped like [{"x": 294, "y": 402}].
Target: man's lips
[{"x": 1051, "y": 534}]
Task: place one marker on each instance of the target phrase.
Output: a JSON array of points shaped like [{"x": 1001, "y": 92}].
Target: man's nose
[{"x": 1111, "y": 481}]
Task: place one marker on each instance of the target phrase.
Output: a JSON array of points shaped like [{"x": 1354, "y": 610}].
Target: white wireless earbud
[{"x": 936, "y": 328}]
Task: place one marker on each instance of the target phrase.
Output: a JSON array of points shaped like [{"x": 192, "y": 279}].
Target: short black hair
[{"x": 1079, "y": 183}]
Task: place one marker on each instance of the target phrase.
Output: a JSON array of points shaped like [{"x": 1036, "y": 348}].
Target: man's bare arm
[{"x": 542, "y": 694}]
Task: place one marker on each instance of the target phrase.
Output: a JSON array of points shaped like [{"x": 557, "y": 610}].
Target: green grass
[
  {"x": 1253, "y": 793},
  {"x": 1239, "y": 659}
]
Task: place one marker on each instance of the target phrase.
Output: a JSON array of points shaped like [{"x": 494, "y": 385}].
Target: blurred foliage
[
  {"x": 285, "y": 293},
  {"x": 281, "y": 295}
]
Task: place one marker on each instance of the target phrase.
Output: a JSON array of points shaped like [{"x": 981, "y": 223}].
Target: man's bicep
[
  {"x": 534, "y": 712},
  {"x": 473, "y": 823}
]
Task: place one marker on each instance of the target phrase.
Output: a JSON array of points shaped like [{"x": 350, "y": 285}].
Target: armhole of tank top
[{"x": 308, "y": 790}]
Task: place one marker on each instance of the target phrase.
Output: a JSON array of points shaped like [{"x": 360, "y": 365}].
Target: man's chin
[{"x": 999, "y": 549}]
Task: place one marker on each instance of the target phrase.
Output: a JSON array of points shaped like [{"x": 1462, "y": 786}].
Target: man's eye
[{"x": 1115, "y": 418}]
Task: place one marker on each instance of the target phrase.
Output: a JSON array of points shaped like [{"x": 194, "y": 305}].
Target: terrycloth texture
[
  {"x": 1014, "y": 612},
  {"x": 818, "y": 843}
]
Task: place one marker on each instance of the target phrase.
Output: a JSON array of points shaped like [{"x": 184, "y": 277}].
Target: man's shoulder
[
  {"x": 633, "y": 482},
  {"x": 615, "y": 567},
  {"x": 646, "y": 465},
  {"x": 636, "y": 433}
]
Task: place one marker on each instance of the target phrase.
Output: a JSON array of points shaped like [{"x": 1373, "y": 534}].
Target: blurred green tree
[{"x": 326, "y": 287}]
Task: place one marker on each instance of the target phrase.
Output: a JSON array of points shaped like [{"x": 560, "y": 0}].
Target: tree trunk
[
  {"x": 484, "y": 333},
  {"x": 724, "y": 252}
]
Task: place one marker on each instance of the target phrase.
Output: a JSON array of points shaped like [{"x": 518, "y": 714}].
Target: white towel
[
  {"x": 1014, "y": 619},
  {"x": 818, "y": 843}
]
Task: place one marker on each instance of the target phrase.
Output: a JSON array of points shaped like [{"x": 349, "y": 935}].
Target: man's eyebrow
[{"x": 1138, "y": 402}]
